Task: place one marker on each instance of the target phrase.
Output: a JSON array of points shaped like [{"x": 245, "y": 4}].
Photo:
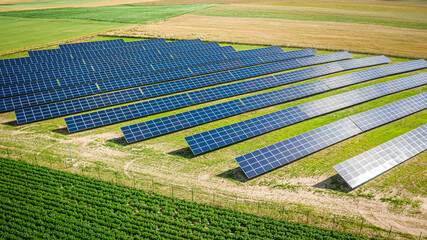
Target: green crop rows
[{"x": 38, "y": 202}]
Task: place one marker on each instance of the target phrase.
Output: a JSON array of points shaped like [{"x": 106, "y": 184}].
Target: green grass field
[
  {"x": 19, "y": 32},
  {"x": 17, "y": 28}
]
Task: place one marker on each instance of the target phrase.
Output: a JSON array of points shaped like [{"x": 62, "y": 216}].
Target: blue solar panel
[
  {"x": 230, "y": 134},
  {"x": 113, "y": 62},
  {"x": 390, "y": 112},
  {"x": 333, "y": 103},
  {"x": 130, "y": 52},
  {"x": 29, "y": 113},
  {"x": 182, "y": 120},
  {"x": 289, "y": 150},
  {"x": 271, "y": 98},
  {"x": 349, "y": 79},
  {"x": 76, "y": 105},
  {"x": 15, "y": 61},
  {"x": 109, "y": 116},
  {"x": 216, "y": 138},
  {"x": 196, "y": 96},
  {"x": 374, "y": 162},
  {"x": 7, "y": 103},
  {"x": 30, "y": 87},
  {"x": 105, "y": 71},
  {"x": 251, "y": 103},
  {"x": 74, "y": 47}
]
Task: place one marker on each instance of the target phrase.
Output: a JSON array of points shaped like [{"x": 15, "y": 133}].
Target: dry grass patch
[{"x": 291, "y": 33}]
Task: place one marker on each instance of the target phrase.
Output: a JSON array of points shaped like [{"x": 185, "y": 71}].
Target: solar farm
[
  {"x": 213, "y": 119},
  {"x": 116, "y": 85}
]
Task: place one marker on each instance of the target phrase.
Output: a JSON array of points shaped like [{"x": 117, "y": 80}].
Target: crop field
[
  {"x": 88, "y": 208},
  {"x": 61, "y": 24},
  {"x": 307, "y": 191}
]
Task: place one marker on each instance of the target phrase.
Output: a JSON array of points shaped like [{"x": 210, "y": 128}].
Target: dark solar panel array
[
  {"x": 78, "y": 46},
  {"x": 374, "y": 162},
  {"x": 226, "y": 135},
  {"x": 289, "y": 150},
  {"x": 30, "y": 87},
  {"x": 17, "y": 102},
  {"x": 28, "y": 60},
  {"x": 133, "y": 133},
  {"x": 72, "y": 70},
  {"x": 109, "y": 70},
  {"x": 68, "y": 107},
  {"x": 131, "y": 52},
  {"x": 97, "y": 119},
  {"x": 116, "y": 80},
  {"x": 114, "y": 62}
]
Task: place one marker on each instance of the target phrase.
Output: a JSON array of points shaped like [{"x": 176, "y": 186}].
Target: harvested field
[{"x": 325, "y": 35}]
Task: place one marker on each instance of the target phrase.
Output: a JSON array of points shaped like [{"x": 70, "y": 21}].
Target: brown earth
[{"x": 365, "y": 38}]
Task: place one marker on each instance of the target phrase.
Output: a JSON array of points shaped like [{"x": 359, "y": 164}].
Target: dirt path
[{"x": 126, "y": 167}]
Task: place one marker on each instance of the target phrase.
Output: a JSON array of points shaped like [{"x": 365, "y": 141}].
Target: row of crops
[{"x": 38, "y": 202}]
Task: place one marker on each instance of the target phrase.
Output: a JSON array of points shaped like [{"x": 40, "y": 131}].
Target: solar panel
[
  {"x": 130, "y": 52},
  {"x": 109, "y": 116},
  {"x": 30, "y": 87},
  {"x": 73, "y": 47},
  {"x": 102, "y": 100},
  {"x": 155, "y": 127},
  {"x": 105, "y": 71},
  {"x": 196, "y": 97},
  {"x": 216, "y": 138},
  {"x": 289, "y": 150},
  {"x": 226, "y": 135},
  {"x": 349, "y": 79},
  {"x": 115, "y": 62},
  {"x": 374, "y": 162},
  {"x": 77, "y": 105},
  {"x": 15, "y": 61},
  {"x": 276, "y": 155},
  {"x": 390, "y": 112},
  {"x": 222, "y": 91},
  {"x": 250, "y": 103},
  {"x": 340, "y": 101}
]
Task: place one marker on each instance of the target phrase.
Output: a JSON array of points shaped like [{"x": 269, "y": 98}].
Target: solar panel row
[
  {"x": 289, "y": 150},
  {"x": 226, "y": 135},
  {"x": 27, "y": 60},
  {"x": 112, "y": 62},
  {"x": 138, "y": 66},
  {"x": 374, "y": 162},
  {"x": 164, "y": 125},
  {"x": 17, "y": 102},
  {"x": 130, "y": 53},
  {"x": 87, "y": 46},
  {"x": 30, "y": 87},
  {"x": 75, "y": 47},
  {"x": 97, "y": 119},
  {"x": 73, "y": 106}
]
